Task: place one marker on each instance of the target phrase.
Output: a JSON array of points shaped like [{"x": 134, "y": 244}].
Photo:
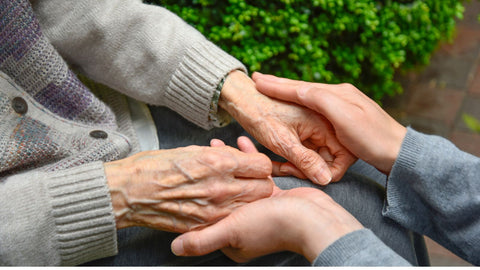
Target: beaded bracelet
[{"x": 218, "y": 116}]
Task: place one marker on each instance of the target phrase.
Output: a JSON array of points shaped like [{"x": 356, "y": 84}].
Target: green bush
[{"x": 363, "y": 42}]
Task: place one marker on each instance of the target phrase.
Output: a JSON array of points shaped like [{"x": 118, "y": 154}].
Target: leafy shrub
[{"x": 363, "y": 42}]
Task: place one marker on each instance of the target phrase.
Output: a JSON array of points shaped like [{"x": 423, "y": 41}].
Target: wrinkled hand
[
  {"x": 360, "y": 124},
  {"x": 301, "y": 220},
  {"x": 308, "y": 219},
  {"x": 303, "y": 137},
  {"x": 185, "y": 188}
]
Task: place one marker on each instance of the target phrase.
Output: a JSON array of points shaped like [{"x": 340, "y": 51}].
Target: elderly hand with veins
[
  {"x": 185, "y": 188},
  {"x": 308, "y": 219},
  {"x": 305, "y": 138}
]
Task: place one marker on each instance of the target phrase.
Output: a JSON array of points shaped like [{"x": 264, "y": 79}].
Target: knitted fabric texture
[
  {"x": 28, "y": 57},
  {"x": 42, "y": 77}
]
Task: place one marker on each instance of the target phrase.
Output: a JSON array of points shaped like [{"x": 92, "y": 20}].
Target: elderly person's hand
[
  {"x": 305, "y": 138},
  {"x": 360, "y": 124},
  {"x": 308, "y": 221},
  {"x": 185, "y": 188}
]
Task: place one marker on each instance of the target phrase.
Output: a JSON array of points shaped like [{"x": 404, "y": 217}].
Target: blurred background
[
  {"x": 443, "y": 97},
  {"x": 419, "y": 59}
]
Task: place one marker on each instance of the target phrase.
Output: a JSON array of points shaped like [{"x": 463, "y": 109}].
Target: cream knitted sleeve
[
  {"x": 142, "y": 50},
  {"x": 56, "y": 218}
]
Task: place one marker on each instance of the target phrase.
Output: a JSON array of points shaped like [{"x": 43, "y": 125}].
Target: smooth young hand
[{"x": 360, "y": 124}]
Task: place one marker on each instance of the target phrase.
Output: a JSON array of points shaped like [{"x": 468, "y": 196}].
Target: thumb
[
  {"x": 216, "y": 143},
  {"x": 310, "y": 163},
  {"x": 207, "y": 240}
]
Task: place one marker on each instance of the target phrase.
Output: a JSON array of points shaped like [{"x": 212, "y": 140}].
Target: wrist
[
  {"x": 115, "y": 179},
  {"x": 307, "y": 235},
  {"x": 231, "y": 88},
  {"x": 326, "y": 224},
  {"x": 388, "y": 157},
  {"x": 238, "y": 97},
  {"x": 217, "y": 114}
]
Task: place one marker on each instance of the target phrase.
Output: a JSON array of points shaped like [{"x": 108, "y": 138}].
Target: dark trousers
[{"x": 361, "y": 192}]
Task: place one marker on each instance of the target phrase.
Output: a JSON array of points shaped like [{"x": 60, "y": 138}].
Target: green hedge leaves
[{"x": 364, "y": 42}]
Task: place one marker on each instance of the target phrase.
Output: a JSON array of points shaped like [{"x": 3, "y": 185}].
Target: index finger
[
  {"x": 279, "y": 88},
  {"x": 272, "y": 78},
  {"x": 286, "y": 89}
]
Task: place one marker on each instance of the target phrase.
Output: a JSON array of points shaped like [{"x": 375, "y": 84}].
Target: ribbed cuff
[
  {"x": 397, "y": 189},
  {"x": 359, "y": 248},
  {"x": 83, "y": 214},
  {"x": 409, "y": 152},
  {"x": 193, "y": 85}
]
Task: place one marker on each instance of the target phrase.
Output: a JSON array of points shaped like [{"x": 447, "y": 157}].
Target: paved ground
[{"x": 435, "y": 98}]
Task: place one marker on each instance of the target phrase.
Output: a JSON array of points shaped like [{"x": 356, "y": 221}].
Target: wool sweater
[
  {"x": 433, "y": 189},
  {"x": 55, "y": 132}
]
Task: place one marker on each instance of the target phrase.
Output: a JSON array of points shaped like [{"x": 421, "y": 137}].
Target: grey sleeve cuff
[
  {"x": 192, "y": 88},
  {"x": 56, "y": 218},
  {"x": 400, "y": 198},
  {"x": 83, "y": 214},
  {"x": 433, "y": 190},
  {"x": 359, "y": 248}
]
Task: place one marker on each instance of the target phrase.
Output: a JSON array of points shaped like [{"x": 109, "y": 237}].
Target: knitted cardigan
[{"x": 55, "y": 133}]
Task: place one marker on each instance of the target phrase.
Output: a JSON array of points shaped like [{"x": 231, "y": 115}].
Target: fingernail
[
  {"x": 324, "y": 177},
  {"x": 177, "y": 247},
  {"x": 284, "y": 169}
]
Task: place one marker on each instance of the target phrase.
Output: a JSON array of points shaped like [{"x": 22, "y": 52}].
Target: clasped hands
[
  {"x": 302, "y": 136},
  {"x": 187, "y": 189},
  {"x": 308, "y": 219}
]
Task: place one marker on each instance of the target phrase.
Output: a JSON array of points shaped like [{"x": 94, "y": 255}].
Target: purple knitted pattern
[
  {"x": 34, "y": 68},
  {"x": 33, "y": 63}
]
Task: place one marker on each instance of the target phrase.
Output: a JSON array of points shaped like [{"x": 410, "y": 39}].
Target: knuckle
[
  {"x": 210, "y": 157},
  {"x": 222, "y": 191},
  {"x": 222, "y": 160},
  {"x": 347, "y": 86},
  {"x": 266, "y": 189},
  {"x": 264, "y": 163},
  {"x": 255, "y": 189},
  {"x": 305, "y": 159},
  {"x": 215, "y": 189}
]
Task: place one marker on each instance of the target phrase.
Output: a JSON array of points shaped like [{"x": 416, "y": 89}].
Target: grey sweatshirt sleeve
[
  {"x": 56, "y": 218},
  {"x": 142, "y": 50},
  {"x": 359, "y": 248},
  {"x": 434, "y": 189}
]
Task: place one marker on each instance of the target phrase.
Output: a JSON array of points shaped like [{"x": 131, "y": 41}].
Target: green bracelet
[{"x": 219, "y": 117}]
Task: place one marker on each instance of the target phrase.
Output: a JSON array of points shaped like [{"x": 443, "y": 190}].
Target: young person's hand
[
  {"x": 302, "y": 220},
  {"x": 360, "y": 124}
]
